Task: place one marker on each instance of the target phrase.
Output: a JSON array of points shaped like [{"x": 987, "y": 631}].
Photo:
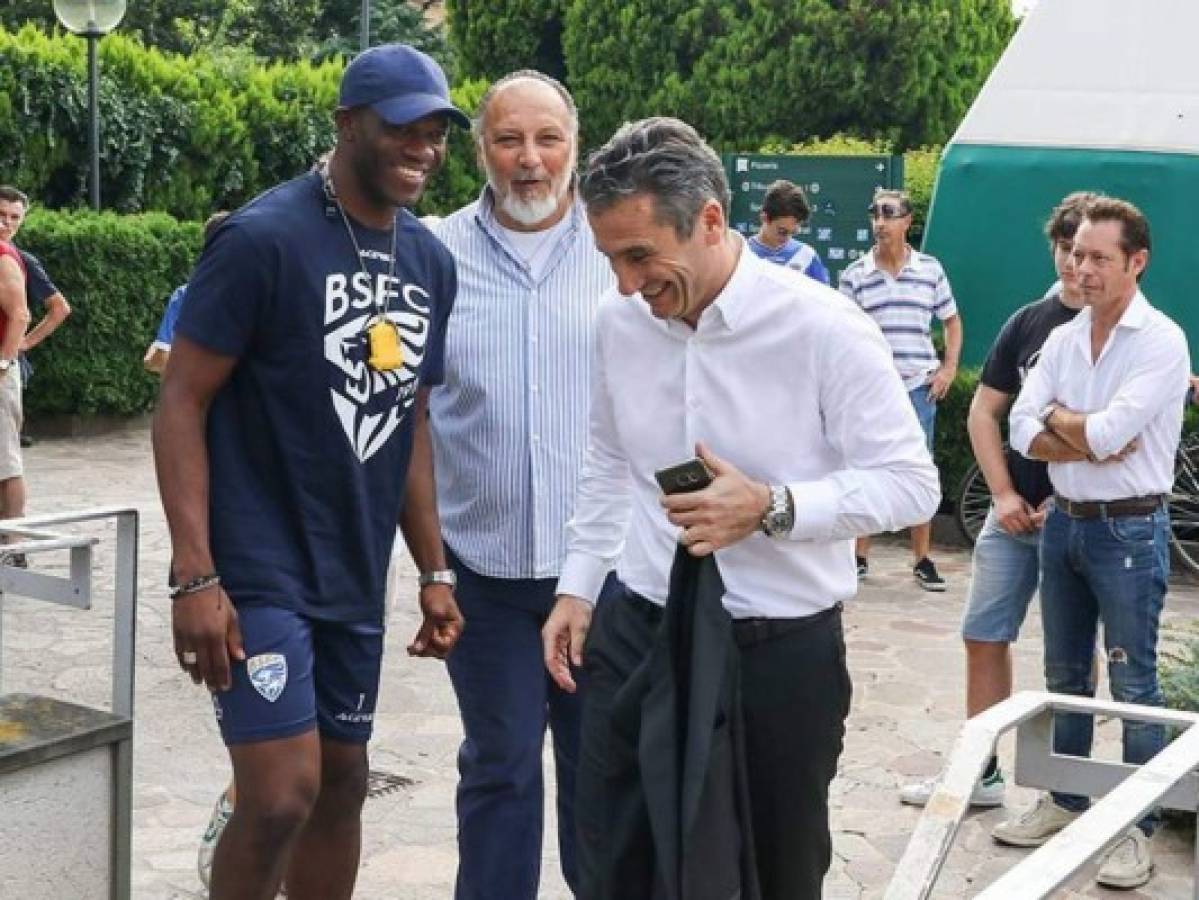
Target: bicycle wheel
[
  {"x": 1184, "y": 505},
  {"x": 974, "y": 499}
]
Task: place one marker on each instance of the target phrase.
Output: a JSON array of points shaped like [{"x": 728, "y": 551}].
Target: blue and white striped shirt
[
  {"x": 904, "y": 307},
  {"x": 509, "y": 423},
  {"x": 793, "y": 254}
]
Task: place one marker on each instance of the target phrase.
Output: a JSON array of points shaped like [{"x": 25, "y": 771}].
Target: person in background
[{"x": 784, "y": 211}]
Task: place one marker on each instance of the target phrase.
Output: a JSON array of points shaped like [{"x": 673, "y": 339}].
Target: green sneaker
[{"x": 987, "y": 792}]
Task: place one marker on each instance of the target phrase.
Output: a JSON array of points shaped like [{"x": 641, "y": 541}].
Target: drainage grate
[{"x": 380, "y": 784}]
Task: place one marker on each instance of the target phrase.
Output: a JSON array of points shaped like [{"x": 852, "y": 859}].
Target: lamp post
[
  {"x": 91, "y": 19},
  {"x": 364, "y": 26}
]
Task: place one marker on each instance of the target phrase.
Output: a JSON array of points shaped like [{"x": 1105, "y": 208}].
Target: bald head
[{"x": 527, "y": 139}]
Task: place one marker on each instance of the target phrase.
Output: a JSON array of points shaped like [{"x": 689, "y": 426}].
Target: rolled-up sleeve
[
  {"x": 888, "y": 480},
  {"x": 1024, "y": 421},
  {"x": 1154, "y": 380}
]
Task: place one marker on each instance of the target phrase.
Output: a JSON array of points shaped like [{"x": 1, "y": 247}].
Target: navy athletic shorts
[{"x": 300, "y": 673}]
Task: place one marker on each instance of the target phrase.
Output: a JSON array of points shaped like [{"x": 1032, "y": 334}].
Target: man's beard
[{"x": 535, "y": 209}]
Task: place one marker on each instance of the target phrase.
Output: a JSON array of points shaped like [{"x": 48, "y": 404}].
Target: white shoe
[
  {"x": 987, "y": 791},
  {"x": 1035, "y": 825},
  {"x": 212, "y": 834},
  {"x": 1128, "y": 863}
]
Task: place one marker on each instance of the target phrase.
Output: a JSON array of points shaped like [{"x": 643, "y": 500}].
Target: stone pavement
[{"x": 903, "y": 651}]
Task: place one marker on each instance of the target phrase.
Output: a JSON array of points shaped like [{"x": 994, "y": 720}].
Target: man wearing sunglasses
[{"x": 903, "y": 291}]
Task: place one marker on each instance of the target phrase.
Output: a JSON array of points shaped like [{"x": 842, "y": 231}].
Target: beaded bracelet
[{"x": 195, "y": 585}]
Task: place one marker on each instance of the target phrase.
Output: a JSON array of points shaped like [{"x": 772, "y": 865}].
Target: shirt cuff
[
  {"x": 583, "y": 576},
  {"x": 1098, "y": 436},
  {"x": 815, "y": 510},
  {"x": 1023, "y": 432}
]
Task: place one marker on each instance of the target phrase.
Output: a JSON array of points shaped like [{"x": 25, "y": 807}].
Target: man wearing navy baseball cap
[{"x": 291, "y": 435}]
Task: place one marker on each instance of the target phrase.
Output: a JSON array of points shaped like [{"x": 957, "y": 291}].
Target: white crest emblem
[
  {"x": 370, "y": 405},
  {"x": 268, "y": 674}
]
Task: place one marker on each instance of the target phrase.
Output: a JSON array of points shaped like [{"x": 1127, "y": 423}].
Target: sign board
[{"x": 839, "y": 189}]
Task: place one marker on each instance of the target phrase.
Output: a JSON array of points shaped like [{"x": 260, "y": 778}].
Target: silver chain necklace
[{"x": 379, "y": 297}]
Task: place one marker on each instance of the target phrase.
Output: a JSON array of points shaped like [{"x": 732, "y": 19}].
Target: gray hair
[
  {"x": 525, "y": 75},
  {"x": 663, "y": 158}
]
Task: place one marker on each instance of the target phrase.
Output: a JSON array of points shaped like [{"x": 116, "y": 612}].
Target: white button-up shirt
[
  {"x": 1136, "y": 388},
  {"x": 791, "y": 383}
]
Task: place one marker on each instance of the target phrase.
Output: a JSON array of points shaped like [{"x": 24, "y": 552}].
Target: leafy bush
[
  {"x": 184, "y": 136},
  {"x": 951, "y": 448},
  {"x": 117, "y": 272}
]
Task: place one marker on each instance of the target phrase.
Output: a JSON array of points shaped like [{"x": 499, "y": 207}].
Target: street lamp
[
  {"x": 91, "y": 19},
  {"x": 364, "y": 26}
]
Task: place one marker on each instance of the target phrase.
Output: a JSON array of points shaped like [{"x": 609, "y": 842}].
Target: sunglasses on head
[{"x": 887, "y": 210}]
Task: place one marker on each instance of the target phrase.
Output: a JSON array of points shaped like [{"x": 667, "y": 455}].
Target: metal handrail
[{"x": 1167, "y": 780}]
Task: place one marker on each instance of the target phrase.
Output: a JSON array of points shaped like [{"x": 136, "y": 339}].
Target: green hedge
[
  {"x": 951, "y": 447},
  {"x": 182, "y": 135},
  {"x": 116, "y": 272}
]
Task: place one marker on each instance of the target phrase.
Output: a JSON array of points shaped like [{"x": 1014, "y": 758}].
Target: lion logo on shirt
[{"x": 371, "y": 405}]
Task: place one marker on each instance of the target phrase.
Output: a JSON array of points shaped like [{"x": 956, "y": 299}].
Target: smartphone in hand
[{"x": 692, "y": 475}]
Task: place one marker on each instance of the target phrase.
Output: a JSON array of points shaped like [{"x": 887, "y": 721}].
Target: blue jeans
[
  {"x": 1112, "y": 570},
  {"x": 1003, "y": 579},
  {"x": 926, "y": 412}
]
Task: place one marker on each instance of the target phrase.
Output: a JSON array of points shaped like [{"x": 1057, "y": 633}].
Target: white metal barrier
[
  {"x": 40, "y": 733},
  {"x": 1169, "y": 780}
]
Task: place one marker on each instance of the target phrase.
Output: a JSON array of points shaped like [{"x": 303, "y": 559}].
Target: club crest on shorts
[{"x": 268, "y": 674}]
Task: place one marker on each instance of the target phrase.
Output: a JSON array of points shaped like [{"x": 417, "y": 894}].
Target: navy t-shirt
[
  {"x": 1012, "y": 357},
  {"x": 308, "y": 447},
  {"x": 38, "y": 286}
]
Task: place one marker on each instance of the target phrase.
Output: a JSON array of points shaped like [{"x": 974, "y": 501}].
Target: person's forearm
[
  {"x": 55, "y": 315},
  {"x": 1048, "y": 447},
  {"x": 953, "y": 342},
  {"x": 181, "y": 463},
  {"x": 419, "y": 521},
  {"x": 1070, "y": 427}
]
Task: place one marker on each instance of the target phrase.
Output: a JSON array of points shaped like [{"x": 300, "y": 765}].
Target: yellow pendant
[{"x": 383, "y": 338}]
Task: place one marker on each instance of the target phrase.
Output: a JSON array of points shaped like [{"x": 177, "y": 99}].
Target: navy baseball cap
[{"x": 399, "y": 83}]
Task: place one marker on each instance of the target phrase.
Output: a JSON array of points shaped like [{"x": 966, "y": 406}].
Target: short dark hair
[
  {"x": 662, "y": 158},
  {"x": 785, "y": 198},
  {"x": 213, "y": 222},
  {"x": 1067, "y": 216},
  {"x": 10, "y": 194},
  {"x": 1134, "y": 227}
]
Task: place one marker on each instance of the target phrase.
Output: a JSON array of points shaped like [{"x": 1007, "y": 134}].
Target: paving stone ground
[{"x": 904, "y": 654}]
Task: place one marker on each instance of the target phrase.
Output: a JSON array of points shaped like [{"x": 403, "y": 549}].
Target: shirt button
[
  {"x": 536, "y": 439},
  {"x": 533, "y": 388}
]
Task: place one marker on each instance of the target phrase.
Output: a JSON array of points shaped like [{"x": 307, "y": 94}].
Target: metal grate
[{"x": 380, "y": 784}]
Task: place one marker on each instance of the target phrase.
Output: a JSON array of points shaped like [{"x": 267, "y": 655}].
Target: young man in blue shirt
[
  {"x": 784, "y": 211},
  {"x": 291, "y": 436}
]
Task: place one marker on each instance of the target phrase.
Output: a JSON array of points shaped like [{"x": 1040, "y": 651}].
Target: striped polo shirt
[
  {"x": 509, "y": 423},
  {"x": 904, "y": 308}
]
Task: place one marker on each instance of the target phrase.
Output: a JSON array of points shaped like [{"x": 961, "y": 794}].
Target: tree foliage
[
  {"x": 491, "y": 38},
  {"x": 750, "y": 71},
  {"x": 267, "y": 29}
]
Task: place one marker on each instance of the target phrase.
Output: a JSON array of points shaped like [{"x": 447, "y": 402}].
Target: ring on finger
[{"x": 189, "y": 657}]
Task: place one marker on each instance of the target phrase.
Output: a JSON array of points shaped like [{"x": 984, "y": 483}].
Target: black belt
[
  {"x": 1109, "y": 509},
  {"x": 745, "y": 631}
]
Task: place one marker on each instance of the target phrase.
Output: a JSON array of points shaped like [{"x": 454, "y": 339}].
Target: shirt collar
[
  {"x": 485, "y": 217},
  {"x": 730, "y": 302},
  {"x": 912, "y": 262}
]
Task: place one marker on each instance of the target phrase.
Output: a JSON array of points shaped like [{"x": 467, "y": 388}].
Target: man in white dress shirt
[
  {"x": 1104, "y": 407},
  {"x": 788, "y": 392}
]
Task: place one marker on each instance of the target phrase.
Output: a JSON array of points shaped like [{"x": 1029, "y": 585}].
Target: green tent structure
[{"x": 1099, "y": 95}]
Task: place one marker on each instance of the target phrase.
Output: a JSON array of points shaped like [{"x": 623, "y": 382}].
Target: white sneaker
[
  {"x": 1128, "y": 863},
  {"x": 987, "y": 791},
  {"x": 1035, "y": 825},
  {"x": 212, "y": 834}
]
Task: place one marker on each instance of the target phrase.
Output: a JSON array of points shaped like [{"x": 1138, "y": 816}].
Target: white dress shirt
[
  {"x": 1136, "y": 388},
  {"x": 791, "y": 383}
]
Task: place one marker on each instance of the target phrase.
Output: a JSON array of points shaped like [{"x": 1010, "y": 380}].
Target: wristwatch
[
  {"x": 439, "y": 576},
  {"x": 779, "y": 518}
]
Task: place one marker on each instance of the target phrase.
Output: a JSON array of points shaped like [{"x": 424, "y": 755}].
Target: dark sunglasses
[{"x": 887, "y": 211}]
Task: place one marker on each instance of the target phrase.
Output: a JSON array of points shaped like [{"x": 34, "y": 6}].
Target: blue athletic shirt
[
  {"x": 794, "y": 254},
  {"x": 308, "y": 447}
]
